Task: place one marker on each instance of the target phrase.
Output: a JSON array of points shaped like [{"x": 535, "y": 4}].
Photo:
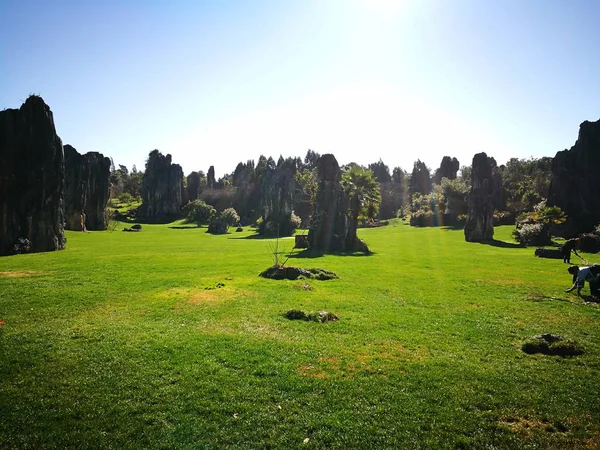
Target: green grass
[{"x": 169, "y": 339}]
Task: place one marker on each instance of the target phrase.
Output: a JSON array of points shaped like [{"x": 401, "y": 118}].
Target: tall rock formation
[
  {"x": 211, "y": 182},
  {"x": 278, "y": 189},
  {"x": 485, "y": 182},
  {"x": 575, "y": 186},
  {"x": 87, "y": 188},
  {"x": 448, "y": 169},
  {"x": 162, "y": 188},
  {"x": 32, "y": 173},
  {"x": 193, "y": 186},
  {"x": 329, "y": 225}
]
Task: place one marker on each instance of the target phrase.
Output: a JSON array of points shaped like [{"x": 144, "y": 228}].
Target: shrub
[
  {"x": 110, "y": 217},
  {"x": 198, "y": 212},
  {"x": 532, "y": 234},
  {"x": 125, "y": 198},
  {"x": 424, "y": 219},
  {"x": 589, "y": 243},
  {"x": 503, "y": 218},
  {"x": 230, "y": 216},
  {"x": 295, "y": 220},
  {"x": 286, "y": 226}
]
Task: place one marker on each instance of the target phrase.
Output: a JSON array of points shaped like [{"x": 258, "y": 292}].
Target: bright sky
[{"x": 219, "y": 82}]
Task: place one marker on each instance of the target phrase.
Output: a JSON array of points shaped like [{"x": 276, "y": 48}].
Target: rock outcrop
[
  {"x": 162, "y": 188},
  {"x": 32, "y": 174},
  {"x": 278, "y": 188},
  {"x": 485, "y": 181},
  {"x": 448, "y": 169},
  {"x": 330, "y": 226},
  {"x": 575, "y": 186},
  {"x": 193, "y": 186},
  {"x": 87, "y": 188}
]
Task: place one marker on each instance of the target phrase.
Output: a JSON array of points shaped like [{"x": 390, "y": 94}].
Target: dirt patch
[
  {"x": 26, "y": 273},
  {"x": 208, "y": 296},
  {"x": 204, "y": 295},
  {"x": 311, "y": 371},
  {"x": 529, "y": 425},
  {"x": 474, "y": 306},
  {"x": 325, "y": 367}
]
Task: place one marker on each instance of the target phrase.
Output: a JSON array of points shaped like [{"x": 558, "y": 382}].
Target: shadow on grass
[
  {"x": 126, "y": 219},
  {"x": 453, "y": 227},
  {"x": 537, "y": 297},
  {"x": 254, "y": 236},
  {"x": 185, "y": 227},
  {"x": 312, "y": 253},
  {"x": 502, "y": 244},
  {"x": 145, "y": 220}
]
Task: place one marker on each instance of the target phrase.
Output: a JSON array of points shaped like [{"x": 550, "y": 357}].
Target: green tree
[
  {"x": 420, "y": 179},
  {"x": 199, "y": 212},
  {"x": 363, "y": 191},
  {"x": 455, "y": 192}
]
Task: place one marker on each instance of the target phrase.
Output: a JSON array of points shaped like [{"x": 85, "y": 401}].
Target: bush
[
  {"x": 285, "y": 227},
  {"x": 198, "y": 212},
  {"x": 230, "y": 217},
  {"x": 424, "y": 219},
  {"x": 589, "y": 243},
  {"x": 295, "y": 220},
  {"x": 503, "y": 218},
  {"x": 532, "y": 234},
  {"x": 125, "y": 198},
  {"x": 110, "y": 217}
]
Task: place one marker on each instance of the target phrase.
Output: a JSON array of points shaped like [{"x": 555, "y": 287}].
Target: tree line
[{"x": 264, "y": 192}]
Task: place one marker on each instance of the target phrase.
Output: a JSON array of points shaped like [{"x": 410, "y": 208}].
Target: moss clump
[
  {"x": 321, "y": 316},
  {"x": 293, "y": 273}
]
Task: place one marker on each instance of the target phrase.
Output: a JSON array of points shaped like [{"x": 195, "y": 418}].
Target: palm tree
[{"x": 364, "y": 197}]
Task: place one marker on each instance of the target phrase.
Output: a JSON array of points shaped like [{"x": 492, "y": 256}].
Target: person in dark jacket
[{"x": 566, "y": 248}]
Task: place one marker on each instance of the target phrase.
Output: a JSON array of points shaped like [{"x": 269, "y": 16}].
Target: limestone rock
[
  {"x": 575, "y": 186},
  {"x": 330, "y": 221},
  {"x": 162, "y": 188},
  {"x": 193, "y": 187},
  {"x": 278, "y": 189},
  {"x": 32, "y": 174},
  {"x": 552, "y": 253},
  {"x": 217, "y": 226},
  {"x": 87, "y": 188},
  {"x": 485, "y": 183},
  {"x": 448, "y": 169}
]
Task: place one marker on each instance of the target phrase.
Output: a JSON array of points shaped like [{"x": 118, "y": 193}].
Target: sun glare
[{"x": 388, "y": 9}]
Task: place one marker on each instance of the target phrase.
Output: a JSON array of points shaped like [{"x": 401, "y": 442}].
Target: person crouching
[{"x": 590, "y": 274}]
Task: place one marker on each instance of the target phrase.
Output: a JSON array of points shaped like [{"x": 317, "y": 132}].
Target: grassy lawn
[{"x": 167, "y": 338}]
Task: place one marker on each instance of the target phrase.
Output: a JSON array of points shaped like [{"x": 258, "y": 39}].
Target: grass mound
[
  {"x": 553, "y": 345},
  {"x": 293, "y": 273}
]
